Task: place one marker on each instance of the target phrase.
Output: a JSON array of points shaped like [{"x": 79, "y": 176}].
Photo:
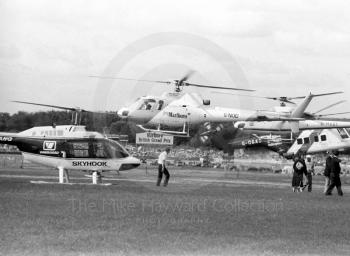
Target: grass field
[{"x": 190, "y": 217}]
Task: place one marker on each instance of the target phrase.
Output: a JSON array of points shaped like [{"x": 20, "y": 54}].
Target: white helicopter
[
  {"x": 294, "y": 112},
  {"x": 317, "y": 141},
  {"x": 307, "y": 142},
  {"x": 180, "y": 110},
  {"x": 242, "y": 134},
  {"x": 71, "y": 147}
]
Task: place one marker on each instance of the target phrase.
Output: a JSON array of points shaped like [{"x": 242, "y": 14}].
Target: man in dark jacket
[
  {"x": 299, "y": 168},
  {"x": 335, "y": 175},
  {"x": 327, "y": 170}
]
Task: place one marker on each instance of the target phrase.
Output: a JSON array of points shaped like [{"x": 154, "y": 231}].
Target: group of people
[
  {"x": 331, "y": 173},
  {"x": 301, "y": 167}
]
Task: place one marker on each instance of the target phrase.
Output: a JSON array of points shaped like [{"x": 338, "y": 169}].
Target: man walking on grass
[{"x": 162, "y": 168}]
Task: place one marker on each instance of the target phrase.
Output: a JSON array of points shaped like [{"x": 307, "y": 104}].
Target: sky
[{"x": 49, "y": 48}]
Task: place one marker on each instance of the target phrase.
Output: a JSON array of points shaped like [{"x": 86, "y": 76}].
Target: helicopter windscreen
[
  {"x": 96, "y": 148},
  {"x": 147, "y": 104}
]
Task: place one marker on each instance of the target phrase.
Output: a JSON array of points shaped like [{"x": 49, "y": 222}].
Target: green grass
[{"x": 132, "y": 218}]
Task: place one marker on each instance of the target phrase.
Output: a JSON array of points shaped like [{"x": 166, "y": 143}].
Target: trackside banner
[{"x": 154, "y": 138}]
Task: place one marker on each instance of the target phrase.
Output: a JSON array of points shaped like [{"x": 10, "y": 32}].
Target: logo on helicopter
[
  {"x": 175, "y": 115},
  {"x": 89, "y": 163},
  {"x": 49, "y": 145}
]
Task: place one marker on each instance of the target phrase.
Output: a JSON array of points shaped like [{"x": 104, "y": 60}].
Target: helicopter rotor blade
[
  {"x": 243, "y": 95},
  {"x": 283, "y": 99},
  {"x": 329, "y": 106},
  {"x": 333, "y": 114},
  {"x": 52, "y": 106},
  {"x": 180, "y": 82},
  {"x": 218, "y": 87},
  {"x": 131, "y": 79},
  {"x": 288, "y": 101},
  {"x": 324, "y": 94},
  {"x": 186, "y": 77},
  {"x": 296, "y": 98},
  {"x": 313, "y": 95}
]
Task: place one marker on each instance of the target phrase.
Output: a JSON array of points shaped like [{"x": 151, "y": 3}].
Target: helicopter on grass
[
  {"x": 306, "y": 142},
  {"x": 71, "y": 147},
  {"x": 278, "y": 134}
]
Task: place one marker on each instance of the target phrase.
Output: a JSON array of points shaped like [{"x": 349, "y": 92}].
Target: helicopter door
[
  {"x": 78, "y": 149},
  {"x": 86, "y": 149}
]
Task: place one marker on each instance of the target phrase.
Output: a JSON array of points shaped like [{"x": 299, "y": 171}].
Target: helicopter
[
  {"x": 307, "y": 142},
  {"x": 227, "y": 137},
  {"x": 71, "y": 147},
  {"x": 307, "y": 120},
  {"x": 181, "y": 110}
]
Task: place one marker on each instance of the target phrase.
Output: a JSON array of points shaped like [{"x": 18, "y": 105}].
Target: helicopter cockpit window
[
  {"x": 115, "y": 150},
  {"x": 136, "y": 105},
  {"x": 100, "y": 148},
  {"x": 343, "y": 133},
  {"x": 147, "y": 104}
]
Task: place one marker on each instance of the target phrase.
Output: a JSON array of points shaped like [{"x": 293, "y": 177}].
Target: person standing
[
  {"x": 335, "y": 175},
  {"x": 299, "y": 168},
  {"x": 310, "y": 170},
  {"x": 162, "y": 168},
  {"x": 327, "y": 171}
]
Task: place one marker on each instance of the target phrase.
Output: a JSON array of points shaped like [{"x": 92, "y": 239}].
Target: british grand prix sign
[{"x": 154, "y": 138}]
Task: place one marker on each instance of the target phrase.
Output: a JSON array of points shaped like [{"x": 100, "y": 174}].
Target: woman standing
[{"x": 299, "y": 168}]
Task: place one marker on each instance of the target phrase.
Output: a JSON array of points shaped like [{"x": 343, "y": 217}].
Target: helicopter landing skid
[
  {"x": 72, "y": 183},
  {"x": 183, "y": 133},
  {"x": 63, "y": 176}
]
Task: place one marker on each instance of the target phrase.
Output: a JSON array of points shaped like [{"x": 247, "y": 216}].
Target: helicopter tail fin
[{"x": 300, "y": 109}]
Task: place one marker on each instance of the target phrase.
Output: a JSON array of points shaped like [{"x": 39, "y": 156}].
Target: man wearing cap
[
  {"x": 334, "y": 175},
  {"x": 162, "y": 168}
]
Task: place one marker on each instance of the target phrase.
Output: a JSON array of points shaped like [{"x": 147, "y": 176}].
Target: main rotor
[
  {"x": 179, "y": 84},
  {"x": 76, "y": 112}
]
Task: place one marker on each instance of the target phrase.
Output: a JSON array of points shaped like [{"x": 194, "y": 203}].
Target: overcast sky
[{"x": 279, "y": 48}]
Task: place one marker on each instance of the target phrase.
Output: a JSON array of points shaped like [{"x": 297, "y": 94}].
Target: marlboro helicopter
[
  {"x": 180, "y": 110},
  {"x": 71, "y": 147}
]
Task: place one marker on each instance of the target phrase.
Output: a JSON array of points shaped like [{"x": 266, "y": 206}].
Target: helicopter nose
[
  {"x": 132, "y": 163},
  {"x": 123, "y": 112}
]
